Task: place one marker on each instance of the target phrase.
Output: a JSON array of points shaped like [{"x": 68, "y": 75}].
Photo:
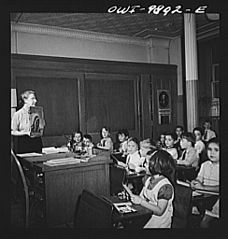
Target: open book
[{"x": 124, "y": 207}]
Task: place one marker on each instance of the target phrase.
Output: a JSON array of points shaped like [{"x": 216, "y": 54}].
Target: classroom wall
[
  {"x": 168, "y": 51},
  {"x": 62, "y": 43},
  {"x": 39, "y": 40}
]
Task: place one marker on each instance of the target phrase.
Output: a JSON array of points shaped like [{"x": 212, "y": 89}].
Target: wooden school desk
[
  {"x": 59, "y": 186},
  {"x": 134, "y": 220}
]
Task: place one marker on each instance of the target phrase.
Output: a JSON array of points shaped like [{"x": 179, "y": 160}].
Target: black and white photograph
[
  {"x": 136, "y": 84},
  {"x": 163, "y": 99}
]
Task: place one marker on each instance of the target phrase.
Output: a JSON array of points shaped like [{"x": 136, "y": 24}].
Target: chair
[
  {"x": 92, "y": 212},
  {"x": 15, "y": 161},
  {"x": 186, "y": 173},
  {"x": 117, "y": 177},
  {"x": 202, "y": 158},
  {"x": 182, "y": 206}
]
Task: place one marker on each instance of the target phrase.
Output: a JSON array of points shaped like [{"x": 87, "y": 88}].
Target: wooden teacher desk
[{"x": 59, "y": 186}]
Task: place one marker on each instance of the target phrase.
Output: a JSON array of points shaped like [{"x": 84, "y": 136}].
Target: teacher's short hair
[{"x": 25, "y": 95}]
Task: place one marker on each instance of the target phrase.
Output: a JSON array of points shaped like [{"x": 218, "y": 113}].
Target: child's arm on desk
[
  {"x": 198, "y": 185},
  {"x": 158, "y": 209}
]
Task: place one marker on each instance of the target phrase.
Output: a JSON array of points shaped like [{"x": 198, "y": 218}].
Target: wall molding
[
  {"x": 86, "y": 35},
  {"x": 202, "y": 33},
  {"x": 78, "y": 34},
  {"x": 207, "y": 31}
]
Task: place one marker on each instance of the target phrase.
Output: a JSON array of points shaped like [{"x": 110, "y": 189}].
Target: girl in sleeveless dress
[{"x": 158, "y": 191}]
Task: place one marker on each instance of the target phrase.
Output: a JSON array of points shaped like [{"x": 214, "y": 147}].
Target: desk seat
[{"x": 186, "y": 172}]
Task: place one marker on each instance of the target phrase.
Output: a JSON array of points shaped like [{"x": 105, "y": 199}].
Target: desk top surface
[{"x": 68, "y": 159}]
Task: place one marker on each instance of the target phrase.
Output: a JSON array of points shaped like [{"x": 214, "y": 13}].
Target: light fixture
[{"x": 213, "y": 16}]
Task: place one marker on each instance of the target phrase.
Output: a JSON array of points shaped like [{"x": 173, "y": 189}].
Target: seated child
[
  {"x": 169, "y": 143},
  {"x": 134, "y": 161},
  {"x": 76, "y": 142},
  {"x": 148, "y": 143},
  {"x": 208, "y": 179},
  {"x": 160, "y": 144},
  {"x": 146, "y": 146},
  {"x": 208, "y": 132},
  {"x": 88, "y": 145},
  {"x": 189, "y": 157},
  {"x": 121, "y": 145},
  {"x": 158, "y": 191},
  {"x": 106, "y": 141},
  {"x": 199, "y": 144},
  {"x": 179, "y": 130}
]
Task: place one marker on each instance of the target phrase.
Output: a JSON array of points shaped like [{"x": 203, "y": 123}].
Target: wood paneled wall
[
  {"x": 209, "y": 54},
  {"x": 88, "y": 94}
]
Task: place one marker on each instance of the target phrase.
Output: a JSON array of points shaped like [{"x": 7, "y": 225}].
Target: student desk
[
  {"x": 134, "y": 220},
  {"x": 203, "y": 198},
  {"x": 58, "y": 187}
]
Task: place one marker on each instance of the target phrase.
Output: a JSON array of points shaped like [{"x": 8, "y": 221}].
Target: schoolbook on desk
[
  {"x": 62, "y": 161},
  {"x": 124, "y": 207},
  {"x": 29, "y": 154}
]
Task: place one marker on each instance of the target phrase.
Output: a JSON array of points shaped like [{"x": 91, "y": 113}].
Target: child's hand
[
  {"x": 136, "y": 199},
  {"x": 195, "y": 184},
  {"x": 139, "y": 169}
]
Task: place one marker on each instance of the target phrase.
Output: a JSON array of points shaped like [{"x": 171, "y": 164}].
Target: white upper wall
[
  {"x": 175, "y": 58},
  {"x": 52, "y": 41},
  {"x": 37, "y": 44},
  {"x": 39, "y": 40}
]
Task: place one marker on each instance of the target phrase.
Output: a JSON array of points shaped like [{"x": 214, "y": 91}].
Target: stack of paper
[
  {"x": 29, "y": 155},
  {"x": 54, "y": 150},
  {"x": 62, "y": 161},
  {"x": 63, "y": 149}
]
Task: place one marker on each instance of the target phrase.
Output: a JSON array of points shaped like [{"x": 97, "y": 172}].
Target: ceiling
[{"x": 131, "y": 25}]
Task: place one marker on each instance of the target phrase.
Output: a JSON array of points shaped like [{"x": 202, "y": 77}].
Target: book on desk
[{"x": 124, "y": 207}]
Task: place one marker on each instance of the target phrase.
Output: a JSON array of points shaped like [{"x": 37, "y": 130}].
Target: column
[{"x": 191, "y": 70}]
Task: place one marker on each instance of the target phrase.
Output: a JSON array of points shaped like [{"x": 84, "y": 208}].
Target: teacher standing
[{"x": 24, "y": 141}]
